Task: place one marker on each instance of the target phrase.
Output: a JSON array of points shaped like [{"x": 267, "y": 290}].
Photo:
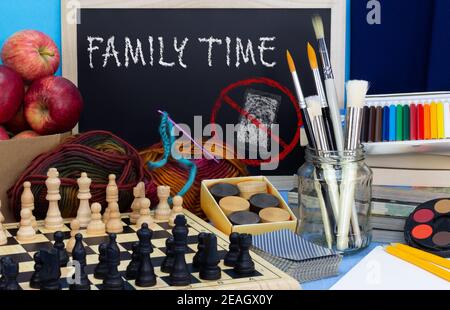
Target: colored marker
[
  {"x": 440, "y": 120},
  {"x": 413, "y": 122},
  {"x": 372, "y": 122},
  {"x": 399, "y": 124},
  {"x": 447, "y": 119},
  {"x": 433, "y": 120},
  {"x": 366, "y": 124},
  {"x": 379, "y": 124},
  {"x": 392, "y": 122},
  {"x": 420, "y": 122},
  {"x": 385, "y": 123},
  {"x": 426, "y": 122},
  {"x": 406, "y": 122}
]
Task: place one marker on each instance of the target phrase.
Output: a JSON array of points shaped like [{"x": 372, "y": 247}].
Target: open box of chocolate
[{"x": 245, "y": 205}]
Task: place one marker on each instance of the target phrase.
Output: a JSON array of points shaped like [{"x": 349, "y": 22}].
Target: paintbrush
[
  {"x": 319, "y": 135},
  {"x": 356, "y": 95},
  {"x": 329, "y": 82},
  {"x": 323, "y": 100},
  {"x": 301, "y": 101},
  {"x": 314, "y": 107}
]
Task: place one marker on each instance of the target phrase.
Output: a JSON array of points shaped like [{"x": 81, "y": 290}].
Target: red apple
[
  {"x": 52, "y": 105},
  {"x": 18, "y": 123},
  {"x": 3, "y": 134},
  {"x": 32, "y": 54},
  {"x": 11, "y": 93},
  {"x": 26, "y": 134}
]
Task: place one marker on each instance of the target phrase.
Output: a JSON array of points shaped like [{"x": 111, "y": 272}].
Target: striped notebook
[{"x": 302, "y": 259}]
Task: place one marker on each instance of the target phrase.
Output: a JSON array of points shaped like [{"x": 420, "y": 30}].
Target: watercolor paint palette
[{"x": 428, "y": 227}]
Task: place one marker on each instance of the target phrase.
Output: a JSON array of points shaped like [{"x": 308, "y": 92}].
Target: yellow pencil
[
  {"x": 423, "y": 255},
  {"x": 425, "y": 265},
  {"x": 440, "y": 120},
  {"x": 433, "y": 122}
]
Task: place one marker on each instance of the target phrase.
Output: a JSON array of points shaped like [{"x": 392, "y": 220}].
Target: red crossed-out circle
[{"x": 224, "y": 97}]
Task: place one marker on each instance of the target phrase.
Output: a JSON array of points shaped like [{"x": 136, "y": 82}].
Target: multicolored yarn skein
[
  {"x": 98, "y": 153},
  {"x": 182, "y": 175}
]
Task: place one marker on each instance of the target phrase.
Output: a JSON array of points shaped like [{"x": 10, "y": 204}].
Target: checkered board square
[{"x": 266, "y": 276}]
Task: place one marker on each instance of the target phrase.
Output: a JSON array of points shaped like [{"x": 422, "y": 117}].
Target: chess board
[{"x": 266, "y": 277}]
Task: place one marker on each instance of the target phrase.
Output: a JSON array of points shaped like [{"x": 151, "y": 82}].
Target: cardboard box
[
  {"x": 15, "y": 156},
  {"x": 221, "y": 221}
]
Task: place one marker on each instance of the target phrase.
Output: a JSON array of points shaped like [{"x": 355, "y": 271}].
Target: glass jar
[{"x": 334, "y": 196}]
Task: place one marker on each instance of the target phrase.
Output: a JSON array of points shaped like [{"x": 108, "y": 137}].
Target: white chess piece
[
  {"x": 26, "y": 231},
  {"x": 139, "y": 193},
  {"x": 84, "y": 194},
  {"x": 74, "y": 229},
  {"x": 3, "y": 237},
  {"x": 114, "y": 224},
  {"x": 177, "y": 208},
  {"x": 145, "y": 216},
  {"x": 162, "y": 211},
  {"x": 53, "y": 220},
  {"x": 112, "y": 196},
  {"x": 96, "y": 226},
  {"x": 27, "y": 201}
]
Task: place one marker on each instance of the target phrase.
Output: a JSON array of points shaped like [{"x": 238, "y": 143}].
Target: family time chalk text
[{"x": 153, "y": 51}]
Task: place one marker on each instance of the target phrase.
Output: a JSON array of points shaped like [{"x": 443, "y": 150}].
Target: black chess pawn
[
  {"x": 113, "y": 279},
  {"x": 180, "y": 276},
  {"x": 59, "y": 245},
  {"x": 79, "y": 255},
  {"x": 133, "y": 266},
  {"x": 10, "y": 270},
  {"x": 167, "y": 263},
  {"x": 101, "y": 270},
  {"x": 244, "y": 264},
  {"x": 232, "y": 255},
  {"x": 209, "y": 269},
  {"x": 35, "y": 281},
  {"x": 199, "y": 256},
  {"x": 146, "y": 275},
  {"x": 2, "y": 277},
  {"x": 50, "y": 273}
]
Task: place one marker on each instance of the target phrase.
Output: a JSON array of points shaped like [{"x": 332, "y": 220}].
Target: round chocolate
[
  {"x": 221, "y": 190},
  {"x": 233, "y": 204},
  {"x": 261, "y": 201},
  {"x": 244, "y": 218},
  {"x": 272, "y": 215}
]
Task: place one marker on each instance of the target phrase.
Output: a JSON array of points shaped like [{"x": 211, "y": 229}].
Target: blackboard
[{"x": 125, "y": 99}]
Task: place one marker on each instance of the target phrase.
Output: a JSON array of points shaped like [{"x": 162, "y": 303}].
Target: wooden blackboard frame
[{"x": 70, "y": 18}]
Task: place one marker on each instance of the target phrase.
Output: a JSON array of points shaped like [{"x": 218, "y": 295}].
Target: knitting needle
[{"x": 211, "y": 156}]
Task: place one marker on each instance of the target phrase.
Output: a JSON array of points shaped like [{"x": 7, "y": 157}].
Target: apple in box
[
  {"x": 11, "y": 93},
  {"x": 32, "y": 54},
  {"x": 52, "y": 105}
]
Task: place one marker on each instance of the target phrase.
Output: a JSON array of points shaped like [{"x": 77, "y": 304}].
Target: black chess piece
[
  {"x": 232, "y": 255},
  {"x": 146, "y": 275},
  {"x": 2, "y": 277},
  {"x": 244, "y": 264},
  {"x": 79, "y": 254},
  {"x": 209, "y": 269},
  {"x": 113, "y": 279},
  {"x": 133, "y": 266},
  {"x": 10, "y": 270},
  {"x": 101, "y": 270},
  {"x": 59, "y": 245},
  {"x": 167, "y": 263},
  {"x": 50, "y": 273},
  {"x": 180, "y": 276},
  {"x": 199, "y": 256},
  {"x": 35, "y": 281}
]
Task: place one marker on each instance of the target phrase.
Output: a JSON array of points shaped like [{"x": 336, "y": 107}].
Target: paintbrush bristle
[
  {"x": 356, "y": 93},
  {"x": 312, "y": 57},
  {"x": 314, "y": 107},
  {"x": 318, "y": 26},
  {"x": 290, "y": 62}
]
